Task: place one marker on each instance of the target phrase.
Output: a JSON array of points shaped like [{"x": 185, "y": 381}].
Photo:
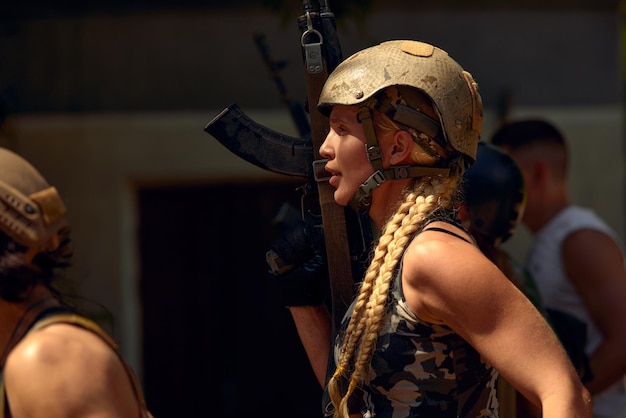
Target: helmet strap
[
  {"x": 417, "y": 120},
  {"x": 362, "y": 197},
  {"x": 366, "y": 118}
]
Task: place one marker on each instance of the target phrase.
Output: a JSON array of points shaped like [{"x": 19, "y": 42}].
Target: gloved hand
[{"x": 297, "y": 262}]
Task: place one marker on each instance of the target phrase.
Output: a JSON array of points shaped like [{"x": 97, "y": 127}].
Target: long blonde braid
[{"x": 359, "y": 342}]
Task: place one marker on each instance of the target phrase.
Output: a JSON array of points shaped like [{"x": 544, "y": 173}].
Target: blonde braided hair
[{"x": 428, "y": 195}]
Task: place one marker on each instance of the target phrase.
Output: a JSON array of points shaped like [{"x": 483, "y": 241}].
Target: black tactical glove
[{"x": 297, "y": 262}]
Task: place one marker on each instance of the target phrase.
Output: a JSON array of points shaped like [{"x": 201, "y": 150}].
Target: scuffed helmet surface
[{"x": 431, "y": 70}]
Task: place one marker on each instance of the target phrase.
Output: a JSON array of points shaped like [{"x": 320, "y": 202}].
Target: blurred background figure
[
  {"x": 495, "y": 199},
  {"x": 577, "y": 261}
]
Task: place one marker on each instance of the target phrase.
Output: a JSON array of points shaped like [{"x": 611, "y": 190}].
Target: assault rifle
[{"x": 347, "y": 232}]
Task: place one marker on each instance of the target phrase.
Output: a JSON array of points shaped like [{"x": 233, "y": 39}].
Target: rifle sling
[{"x": 333, "y": 216}]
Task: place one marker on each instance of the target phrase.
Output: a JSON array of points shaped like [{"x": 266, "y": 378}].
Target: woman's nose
[{"x": 326, "y": 150}]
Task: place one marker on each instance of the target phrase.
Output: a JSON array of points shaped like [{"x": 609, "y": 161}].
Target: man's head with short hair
[
  {"x": 537, "y": 137},
  {"x": 540, "y": 151},
  {"x": 517, "y": 134}
]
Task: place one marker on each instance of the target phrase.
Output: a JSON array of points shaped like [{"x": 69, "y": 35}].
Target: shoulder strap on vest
[{"x": 81, "y": 321}]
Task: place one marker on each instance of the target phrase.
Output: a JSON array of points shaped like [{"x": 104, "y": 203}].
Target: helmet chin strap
[{"x": 362, "y": 199}]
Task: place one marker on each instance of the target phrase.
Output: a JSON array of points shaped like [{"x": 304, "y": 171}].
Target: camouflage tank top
[{"x": 420, "y": 369}]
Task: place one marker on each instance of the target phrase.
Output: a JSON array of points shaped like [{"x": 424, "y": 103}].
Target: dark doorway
[{"x": 217, "y": 342}]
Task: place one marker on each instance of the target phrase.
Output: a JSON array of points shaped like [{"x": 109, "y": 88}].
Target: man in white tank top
[{"x": 577, "y": 261}]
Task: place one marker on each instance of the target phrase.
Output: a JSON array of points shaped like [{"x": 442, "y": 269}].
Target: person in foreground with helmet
[
  {"x": 577, "y": 261},
  {"x": 433, "y": 321},
  {"x": 54, "y": 363}
]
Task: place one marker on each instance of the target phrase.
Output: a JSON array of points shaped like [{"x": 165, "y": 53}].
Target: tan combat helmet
[
  {"x": 31, "y": 211},
  {"x": 431, "y": 70}
]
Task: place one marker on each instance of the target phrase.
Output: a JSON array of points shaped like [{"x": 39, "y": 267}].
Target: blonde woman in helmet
[
  {"x": 433, "y": 321},
  {"x": 53, "y": 362}
]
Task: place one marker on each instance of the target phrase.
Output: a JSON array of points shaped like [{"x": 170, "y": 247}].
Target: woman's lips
[{"x": 334, "y": 177}]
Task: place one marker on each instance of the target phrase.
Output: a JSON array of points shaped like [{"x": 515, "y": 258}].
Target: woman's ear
[{"x": 400, "y": 147}]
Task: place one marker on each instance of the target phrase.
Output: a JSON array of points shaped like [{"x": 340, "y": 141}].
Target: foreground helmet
[
  {"x": 31, "y": 211},
  {"x": 393, "y": 78},
  {"x": 494, "y": 193}
]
